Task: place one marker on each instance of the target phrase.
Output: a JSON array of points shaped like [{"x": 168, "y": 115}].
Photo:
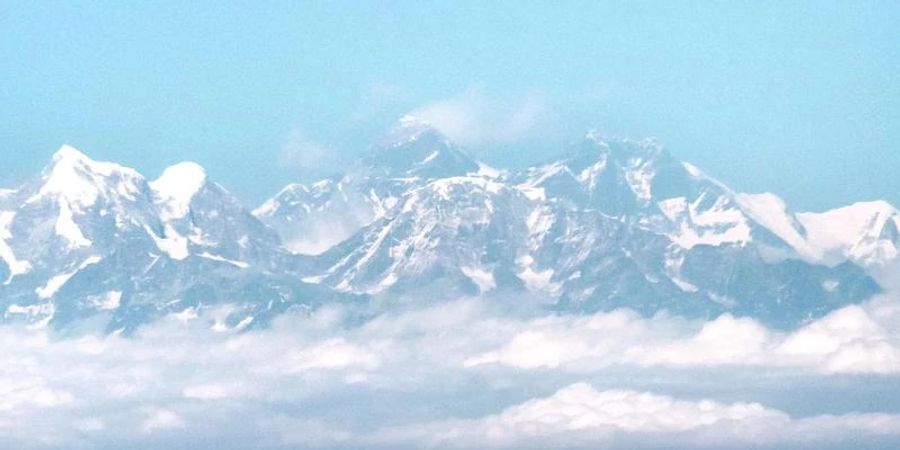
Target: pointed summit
[
  {"x": 80, "y": 180},
  {"x": 67, "y": 153},
  {"x": 415, "y": 148},
  {"x": 69, "y": 158},
  {"x": 407, "y": 129}
]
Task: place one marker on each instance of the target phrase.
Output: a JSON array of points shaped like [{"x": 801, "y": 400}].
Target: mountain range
[{"x": 610, "y": 223}]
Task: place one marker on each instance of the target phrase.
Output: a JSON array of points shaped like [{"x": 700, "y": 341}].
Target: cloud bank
[
  {"x": 467, "y": 374},
  {"x": 849, "y": 340},
  {"x": 579, "y": 416}
]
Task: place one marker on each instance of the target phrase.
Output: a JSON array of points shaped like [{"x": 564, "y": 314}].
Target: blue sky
[{"x": 802, "y": 99}]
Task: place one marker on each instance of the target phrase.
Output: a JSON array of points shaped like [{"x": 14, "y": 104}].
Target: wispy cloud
[
  {"x": 303, "y": 153},
  {"x": 476, "y": 119}
]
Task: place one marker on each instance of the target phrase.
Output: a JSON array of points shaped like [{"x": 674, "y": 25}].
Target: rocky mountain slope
[{"x": 612, "y": 223}]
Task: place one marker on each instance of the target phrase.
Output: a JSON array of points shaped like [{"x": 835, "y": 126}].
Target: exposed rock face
[{"x": 615, "y": 223}]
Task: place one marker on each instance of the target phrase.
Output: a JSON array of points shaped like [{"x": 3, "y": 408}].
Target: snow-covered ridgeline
[{"x": 614, "y": 222}]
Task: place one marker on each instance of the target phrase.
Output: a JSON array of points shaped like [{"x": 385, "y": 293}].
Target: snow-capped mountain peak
[
  {"x": 311, "y": 219},
  {"x": 85, "y": 232},
  {"x": 410, "y": 121},
  {"x": 865, "y": 232},
  {"x": 80, "y": 181},
  {"x": 414, "y": 148},
  {"x": 771, "y": 212},
  {"x": 613, "y": 223},
  {"x": 68, "y": 153},
  {"x": 406, "y": 130},
  {"x": 617, "y": 176},
  {"x": 293, "y": 193},
  {"x": 176, "y": 187}
]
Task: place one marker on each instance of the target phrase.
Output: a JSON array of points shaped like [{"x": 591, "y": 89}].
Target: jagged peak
[
  {"x": 647, "y": 148},
  {"x": 415, "y": 148},
  {"x": 293, "y": 188},
  {"x": 854, "y": 231},
  {"x": 409, "y": 129},
  {"x": 289, "y": 193},
  {"x": 70, "y": 158},
  {"x": 325, "y": 184},
  {"x": 597, "y": 153},
  {"x": 80, "y": 180},
  {"x": 303, "y": 190},
  {"x": 596, "y": 150}
]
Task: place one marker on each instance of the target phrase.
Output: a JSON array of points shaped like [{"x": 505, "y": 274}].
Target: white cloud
[
  {"x": 475, "y": 119},
  {"x": 209, "y": 391},
  {"x": 580, "y": 416},
  {"x": 22, "y": 393},
  {"x": 161, "y": 419},
  {"x": 580, "y": 406},
  {"x": 378, "y": 99},
  {"x": 471, "y": 371},
  {"x": 293, "y": 433},
  {"x": 90, "y": 424},
  {"x": 332, "y": 354},
  {"x": 848, "y": 340},
  {"x": 301, "y": 152},
  {"x": 725, "y": 340}
]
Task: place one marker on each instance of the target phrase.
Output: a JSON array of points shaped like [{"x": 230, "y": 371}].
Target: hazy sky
[{"x": 802, "y": 99}]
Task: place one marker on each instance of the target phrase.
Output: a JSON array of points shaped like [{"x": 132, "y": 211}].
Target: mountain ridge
[{"x": 612, "y": 223}]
